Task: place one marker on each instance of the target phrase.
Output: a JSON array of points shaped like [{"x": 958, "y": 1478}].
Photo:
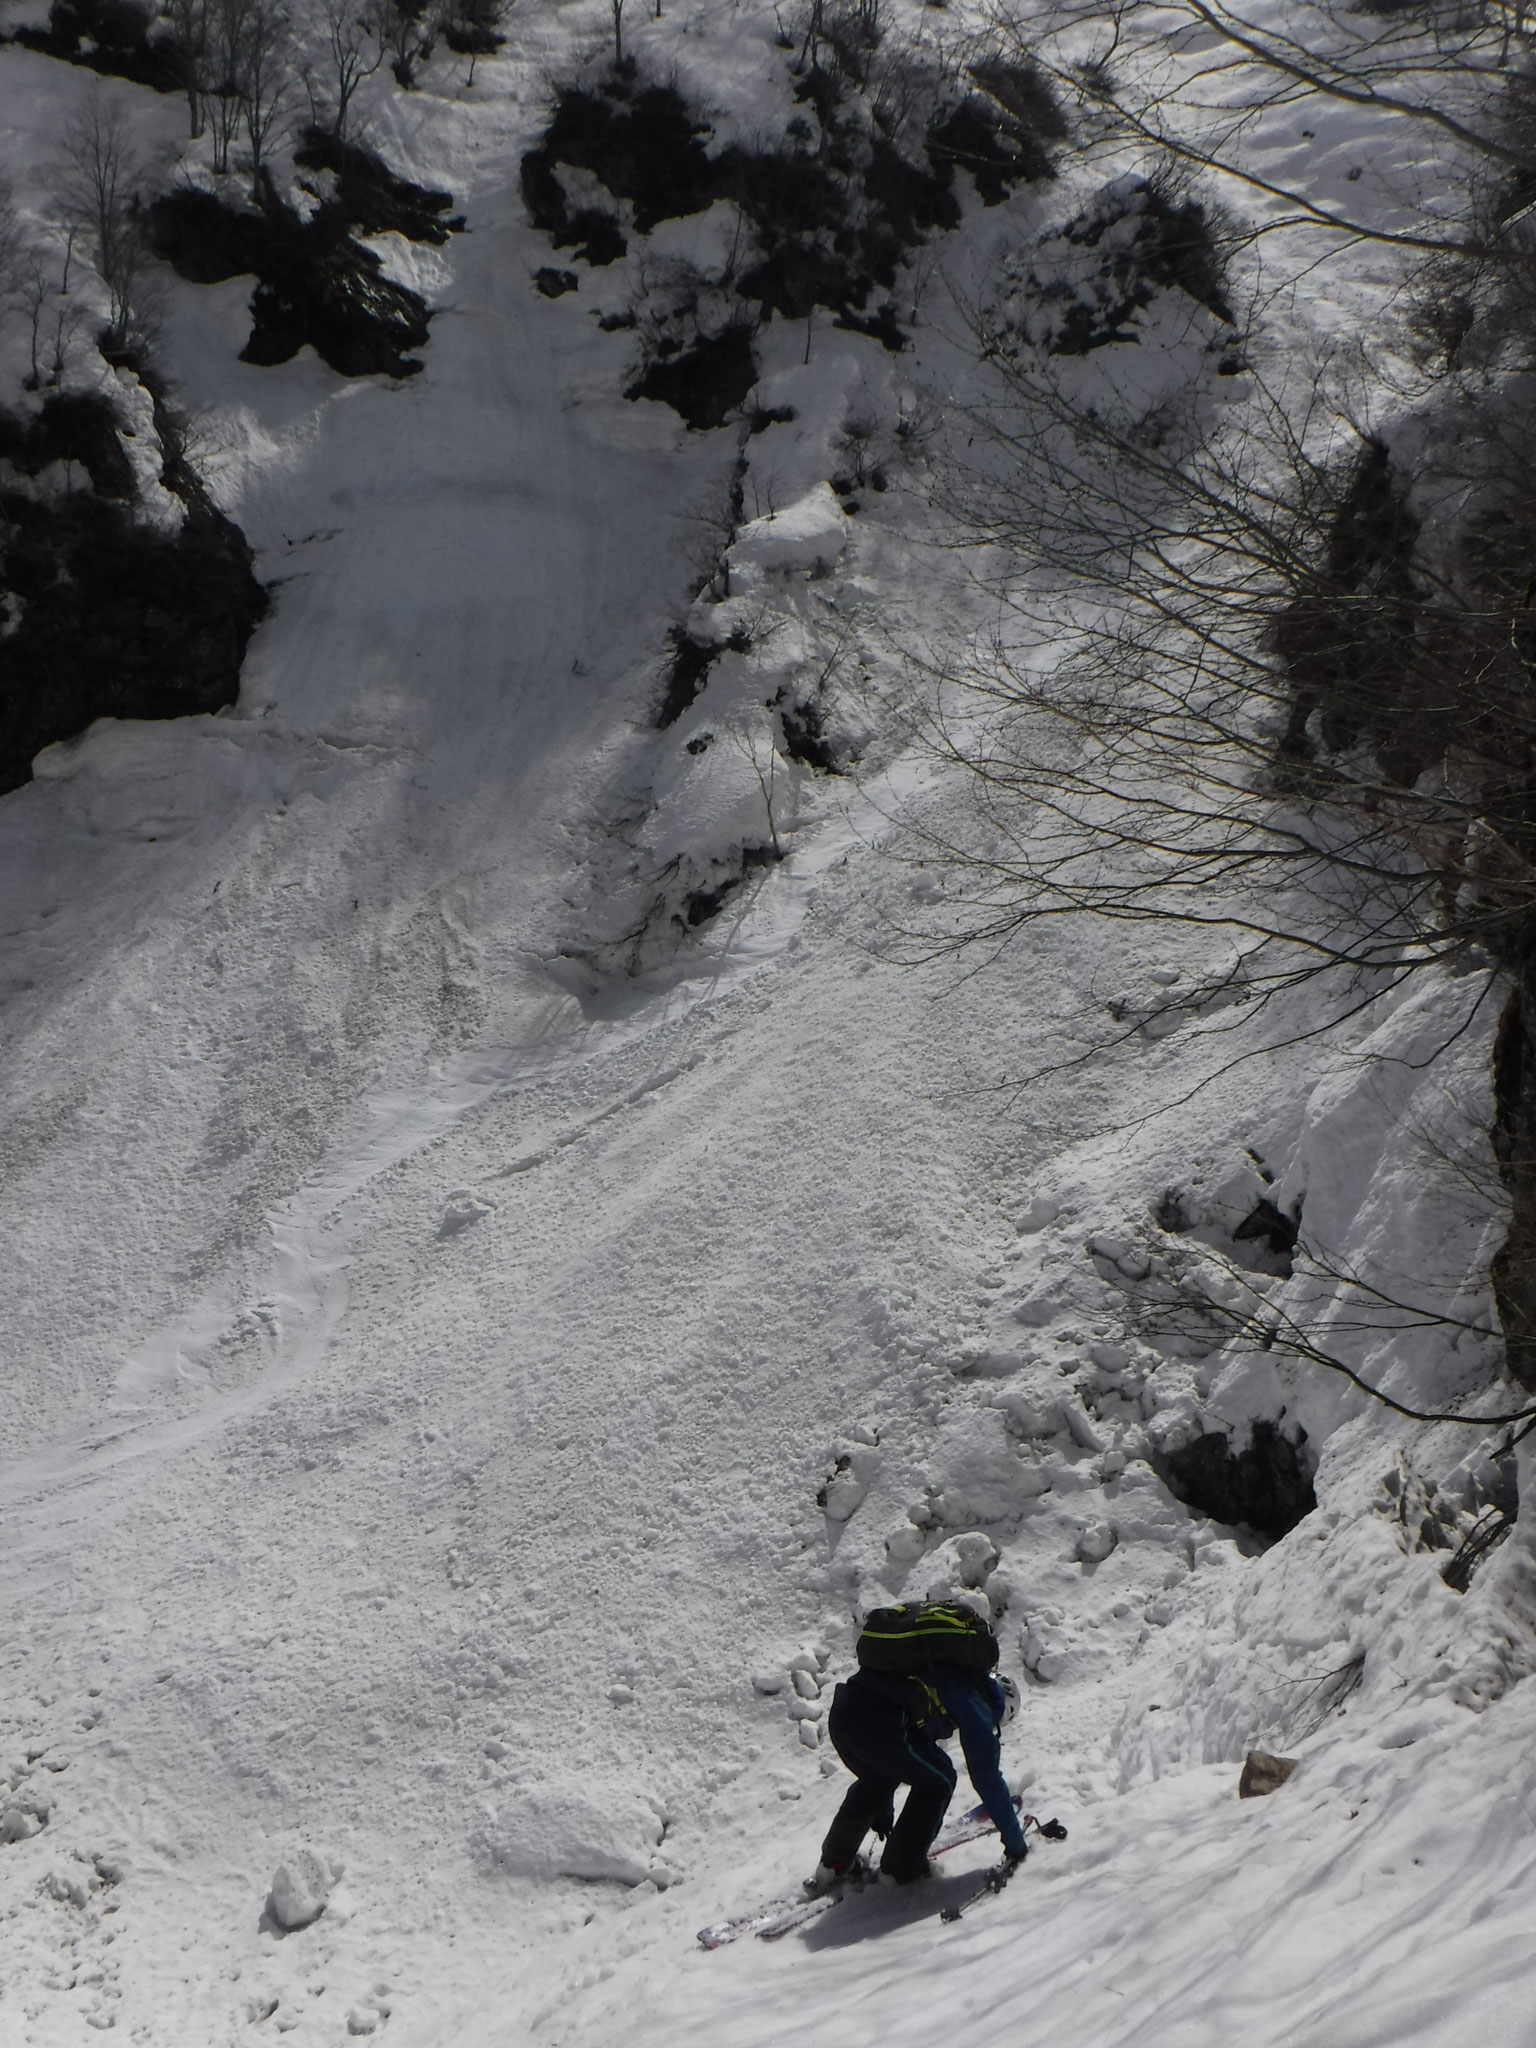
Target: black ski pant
[{"x": 875, "y": 1739}]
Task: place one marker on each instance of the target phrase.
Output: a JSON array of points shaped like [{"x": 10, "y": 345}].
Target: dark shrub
[
  {"x": 1346, "y": 638},
  {"x": 105, "y": 617},
  {"x": 805, "y": 736},
  {"x": 203, "y": 239},
  {"x": 1171, "y": 246},
  {"x": 687, "y": 673},
  {"x": 73, "y": 426},
  {"x": 705, "y": 383},
  {"x": 648, "y": 149},
  {"x": 1265, "y": 1488},
  {"x": 997, "y": 152},
  {"x": 109, "y": 36},
  {"x": 372, "y": 197},
  {"x": 315, "y": 282}
]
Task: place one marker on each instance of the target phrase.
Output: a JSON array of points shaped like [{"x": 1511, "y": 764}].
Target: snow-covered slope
[{"x": 452, "y": 1382}]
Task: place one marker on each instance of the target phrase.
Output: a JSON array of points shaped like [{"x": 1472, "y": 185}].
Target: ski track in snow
[{"x": 421, "y": 1376}]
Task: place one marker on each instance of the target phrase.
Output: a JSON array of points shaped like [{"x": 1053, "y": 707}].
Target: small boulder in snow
[
  {"x": 1263, "y": 1773},
  {"x": 300, "y": 1890}
]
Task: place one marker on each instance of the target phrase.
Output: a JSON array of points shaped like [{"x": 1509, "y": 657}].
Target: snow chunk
[
  {"x": 18, "y": 1825},
  {"x": 960, "y": 1564},
  {"x": 1096, "y": 1542},
  {"x": 602, "y": 1829},
  {"x": 301, "y": 1889},
  {"x": 1036, "y": 1213},
  {"x": 811, "y": 533}
]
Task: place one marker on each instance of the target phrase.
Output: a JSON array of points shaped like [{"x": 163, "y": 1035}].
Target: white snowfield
[{"x": 457, "y": 1392}]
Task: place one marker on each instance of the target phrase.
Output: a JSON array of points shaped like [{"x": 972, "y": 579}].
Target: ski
[
  {"x": 989, "y": 1887},
  {"x": 997, "y": 1878},
  {"x": 782, "y": 1916}
]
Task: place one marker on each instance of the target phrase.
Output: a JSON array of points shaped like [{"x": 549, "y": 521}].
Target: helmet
[{"x": 1010, "y": 1693}]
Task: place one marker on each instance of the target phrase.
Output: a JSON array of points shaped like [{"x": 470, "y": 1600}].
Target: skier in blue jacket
[{"x": 887, "y": 1730}]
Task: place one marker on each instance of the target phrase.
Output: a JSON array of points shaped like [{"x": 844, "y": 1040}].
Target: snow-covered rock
[{"x": 808, "y": 535}]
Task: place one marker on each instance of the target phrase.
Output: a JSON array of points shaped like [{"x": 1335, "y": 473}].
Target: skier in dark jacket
[{"x": 887, "y": 1730}]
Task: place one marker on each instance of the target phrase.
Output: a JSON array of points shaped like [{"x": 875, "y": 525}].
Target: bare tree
[
  {"x": 14, "y": 246},
  {"x": 408, "y": 30},
  {"x": 1195, "y": 79},
  {"x": 353, "y": 48},
  {"x": 265, "y": 77},
  {"x": 189, "y": 20},
  {"x": 98, "y": 184},
  {"x": 618, "y": 33},
  {"x": 475, "y": 30},
  {"x": 37, "y": 288},
  {"x": 220, "y": 86},
  {"x": 1266, "y": 707}
]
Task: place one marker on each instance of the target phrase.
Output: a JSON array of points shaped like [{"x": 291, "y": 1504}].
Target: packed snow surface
[{"x": 471, "y": 1351}]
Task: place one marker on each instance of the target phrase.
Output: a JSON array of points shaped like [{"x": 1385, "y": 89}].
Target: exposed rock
[{"x": 1263, "y": 1773}]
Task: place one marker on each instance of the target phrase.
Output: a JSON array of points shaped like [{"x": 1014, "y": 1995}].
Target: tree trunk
[{"x": 1514, "y": 1142}]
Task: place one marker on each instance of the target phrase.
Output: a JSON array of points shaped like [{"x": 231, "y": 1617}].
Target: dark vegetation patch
[
  {"x": 700, "y": 905},
  {"x": 1265, "y": 1487},
  {"x": 1476, "y": 1547},
  {"x": 554, "y": 284},
  {"x": 688, "y": 667},
  {"x": 997, "y": 153},
  {"x": 315, "y": 281},
  {"x": 104, "y": 616},
  {"x": 468, "y": 38},
  {"x": 643, "y": 142},
  {"x": 805, "y": 736},
  {"x": 706, "y": 383},
  {"x": 1513, "y": 1269},
  {"x": 594, "y": 235},
  {"x": 761, "y": 417},
  {"x": 375, "y": 199},
  {"x": 114, "y": 37},
  {"x": 1268, "y": 1225},
  {"x": 1345, "y": 640},
  {"x": 1264, "y": 1241},
  {"x": 1470, "y": 1520},
  {"x": 1417, "y": 650},
  {"x": 71, "y": 427},
  {"x": 830, "y": 209},
  {"x": 1147, "y": 240}
]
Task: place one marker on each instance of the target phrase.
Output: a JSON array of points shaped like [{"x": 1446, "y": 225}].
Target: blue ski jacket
[{"x": 976, "y": 1707}]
